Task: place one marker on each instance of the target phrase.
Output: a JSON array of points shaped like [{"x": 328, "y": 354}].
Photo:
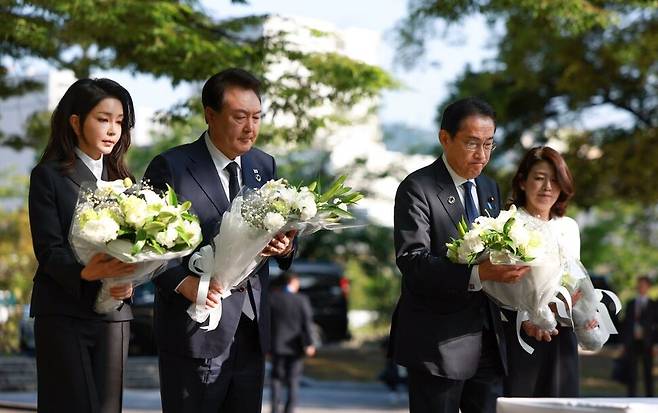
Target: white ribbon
[
  {"x": 522, "y": 316},
  {"x": 563, "y": 310},
  {"x": 605, "y": 322},
  {"x": 614, "y": 299},
  {"x": 202, "y": 263}
]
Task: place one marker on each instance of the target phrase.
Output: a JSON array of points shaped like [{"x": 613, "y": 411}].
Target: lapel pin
[
  {"x": 451, "y": 199},
  {"x": 255, "y": 171},
  {"x": 490, "y": 202},
  {"x": 257, "y": 177}
]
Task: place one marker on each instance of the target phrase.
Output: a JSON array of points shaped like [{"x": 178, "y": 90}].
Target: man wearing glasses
[{"x": 445, "y": 330}]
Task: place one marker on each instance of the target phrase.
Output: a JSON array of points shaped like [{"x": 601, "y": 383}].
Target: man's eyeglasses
[{"x": 473, "y": 146}]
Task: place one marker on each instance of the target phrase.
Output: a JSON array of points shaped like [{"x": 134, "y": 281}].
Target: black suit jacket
[
  {"x": 648, "y": 320},
  {"x": 58, "y": 288},
  {"x": 292, "y": 319},
  {"x": 189, "y": 169},
  {"x": 437, "y": 325}
]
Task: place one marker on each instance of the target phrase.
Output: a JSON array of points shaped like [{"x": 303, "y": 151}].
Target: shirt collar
[
  {"x": 218, "y": 156},
  {"x": 458, "y": 180},
  {"x": 94, "y": 165}
]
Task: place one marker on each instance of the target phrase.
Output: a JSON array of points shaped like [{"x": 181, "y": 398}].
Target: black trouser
[
  {"x": 80, "y": 364},
  {"x": 640, "y": 351},
  {"x": 230, "y": 382},
  {"x": 550, "y": 371},
  {"x": 286, "y": 370},
  {"x": 478, "y": 394}
]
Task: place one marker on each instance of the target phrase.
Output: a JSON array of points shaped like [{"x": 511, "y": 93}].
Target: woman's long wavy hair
[
  {"x": 562, "y": 172},
  {"x": 80, "y": 99}
]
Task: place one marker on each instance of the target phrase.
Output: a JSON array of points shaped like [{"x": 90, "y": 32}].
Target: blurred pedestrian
[
  {"x": 638, "y": 329},
  {"x": 292, "y": 339}
]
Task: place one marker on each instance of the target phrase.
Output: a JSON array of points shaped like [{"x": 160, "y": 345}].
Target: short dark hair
[
  {"x": 564, "y": 178},
  {"x": 457, "y": 111},
  {"x": 80, "y": 98},
  {"x": 644, "y": 278},
  {"x": 212, "y": 94}
]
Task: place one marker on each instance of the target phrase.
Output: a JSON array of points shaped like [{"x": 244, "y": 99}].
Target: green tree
[
  {"x": 557, "y": 61},
  {"x": 183, "y": 42},
  {"x": 17, "y": 262}
]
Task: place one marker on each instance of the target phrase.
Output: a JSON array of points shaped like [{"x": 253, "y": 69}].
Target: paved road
[{"x": 315, "y": 397}]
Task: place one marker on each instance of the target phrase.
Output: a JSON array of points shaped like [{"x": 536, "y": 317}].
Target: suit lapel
[
  {"x": 447, "y": 193},
  {"x": 203, "y": 170},
  {"x": 81, "y": 174},
  {"x": 251, "y": 176}
]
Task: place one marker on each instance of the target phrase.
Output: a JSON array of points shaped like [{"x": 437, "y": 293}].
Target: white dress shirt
[
  {"x": 220, "y": 160},
  {"x": 474, "y": 282},
  {"x": 95, "y": 166}
]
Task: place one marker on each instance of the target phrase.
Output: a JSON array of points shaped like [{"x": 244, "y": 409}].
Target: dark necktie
[
  {"x": 233, "y": 189},
  {"x": 469, "y": 204},
  {"x": 233, "y": 183},
  {"x": 471, "y": 214}
]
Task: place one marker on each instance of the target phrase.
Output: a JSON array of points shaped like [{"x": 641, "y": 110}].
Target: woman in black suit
[{"x": 80, "y": 354}]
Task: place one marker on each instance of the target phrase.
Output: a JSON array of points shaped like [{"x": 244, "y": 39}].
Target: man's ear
[
  {"x": 208, "y": 114},
  {"x": 443, "y": 136},
  {"x": 74, "y": 121}
]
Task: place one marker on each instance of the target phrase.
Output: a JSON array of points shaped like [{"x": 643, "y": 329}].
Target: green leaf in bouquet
[
  {"x": 140, "y": 241},
  {"x": 338, "y": 212},
  {"x": 172, "y": 199},
  {"x": 138, "y": 247},
  {"x": 311, "y": 187},
  {"x": 183, "y": 235},
  {"x": 185, "y": 206},
  {"x": 156, "y": 246},
  {"x": 508, "y": 225},
  {"x": 333, "y": 189},
  {"x": 166, "y": 216},
  {"x": 124, "y": 231},
  {"x": 462, "y": 227},
  {"x": 154, "y": 227},
  {"x": 353, "y": 198},
  {"x": 189, "y": 217}
]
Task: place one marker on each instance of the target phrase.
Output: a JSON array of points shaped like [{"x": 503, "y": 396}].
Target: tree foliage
[
  {"x": 183, "y": 42},
  {"x": 556, "y": 61}
]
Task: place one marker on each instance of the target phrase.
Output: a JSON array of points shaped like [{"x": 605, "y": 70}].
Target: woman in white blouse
[{"x": 542, "y": 188}]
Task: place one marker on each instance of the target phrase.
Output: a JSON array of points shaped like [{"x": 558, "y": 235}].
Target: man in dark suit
[
  {"x": 638, "y": 332},
  {"x": 444, "y": 330},
  {"x": 223, "y": 369},
  {"x": 292, "y": 319}
]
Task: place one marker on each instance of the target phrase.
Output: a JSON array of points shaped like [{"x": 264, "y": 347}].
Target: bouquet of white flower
[
  {"x": 255, "y": 217},
  {"x": 515, "y": 237},
  {"x": 506, "y": 238},
  {"x": 133, "y": 224},
  {"x": 589, "y": 306}
]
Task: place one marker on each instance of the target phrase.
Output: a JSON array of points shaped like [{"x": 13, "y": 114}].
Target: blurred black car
[
  {"x": 26, "y": 328},
  {"x": 327, "y": 288},
  {"x": 142, "y": 338}
]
